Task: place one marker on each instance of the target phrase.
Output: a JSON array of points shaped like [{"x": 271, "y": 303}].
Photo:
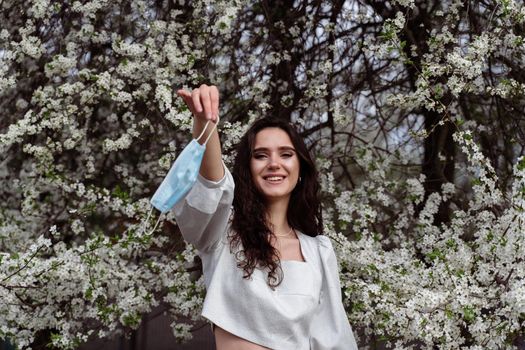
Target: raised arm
[
  {"x": 203, "y": 214},
  {"x": 203, "y": 102}
]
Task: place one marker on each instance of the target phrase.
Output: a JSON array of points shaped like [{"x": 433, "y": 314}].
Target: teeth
[{"x": 274, "y": 178}]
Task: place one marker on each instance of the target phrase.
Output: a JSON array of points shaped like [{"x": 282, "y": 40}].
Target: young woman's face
[{"x": 274, "y": 164}]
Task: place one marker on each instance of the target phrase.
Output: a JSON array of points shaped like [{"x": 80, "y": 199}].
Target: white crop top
[{"x": 304, "y": 312}]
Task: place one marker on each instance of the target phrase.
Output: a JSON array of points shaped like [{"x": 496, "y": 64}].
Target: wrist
[{"x": 198, "y": 129}]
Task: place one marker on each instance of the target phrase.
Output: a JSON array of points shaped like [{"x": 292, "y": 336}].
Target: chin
[{"x": 275, "y": 194}]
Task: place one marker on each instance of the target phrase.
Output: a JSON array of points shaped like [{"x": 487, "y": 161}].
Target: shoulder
[
  {"x": 326, "y": 250},
  {"x": 320, "y": 241},
  {"x": 321, "y": 244},
  {"x": 324, "y": 242}
]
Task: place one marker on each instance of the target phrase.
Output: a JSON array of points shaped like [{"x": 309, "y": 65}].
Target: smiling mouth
[{"x": 274, "y": 179}]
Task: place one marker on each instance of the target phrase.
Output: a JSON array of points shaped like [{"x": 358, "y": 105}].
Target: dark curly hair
[{"x": 249, "y": 225}]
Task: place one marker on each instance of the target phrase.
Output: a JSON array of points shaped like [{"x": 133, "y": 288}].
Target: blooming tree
[
  {"x": 412, "y": 109},
  {"x": 89, "y": 127}
]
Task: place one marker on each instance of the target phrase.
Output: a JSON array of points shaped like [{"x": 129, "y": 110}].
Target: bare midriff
[{"x": 224, "y": 340}]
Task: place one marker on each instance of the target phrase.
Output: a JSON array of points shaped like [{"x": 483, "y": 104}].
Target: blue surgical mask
[{"x": 182, "y": 175}]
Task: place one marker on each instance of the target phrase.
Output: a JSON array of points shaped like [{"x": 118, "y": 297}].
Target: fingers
[
  {"x": 203, "y": 101},
  {"x": 214, "y": 97},
  {"x": 183, "y": 93},
  {"x": 186, "y": 97},
  {"x": 196, "y": 99},
  {"x": 206, "y": 101}
]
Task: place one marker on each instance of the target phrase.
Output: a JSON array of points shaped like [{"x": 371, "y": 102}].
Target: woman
[{"x": 271, "y": 278}]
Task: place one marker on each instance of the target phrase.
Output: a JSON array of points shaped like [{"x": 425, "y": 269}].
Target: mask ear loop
[
  {"x": 204, "y": 130},
  {"x": 147, "y": 220},
  {"x": 156, "y": 224},
  {"x": 145, "y": 226}
]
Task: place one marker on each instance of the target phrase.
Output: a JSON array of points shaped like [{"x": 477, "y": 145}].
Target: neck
[{"x": 276, "y": 214}]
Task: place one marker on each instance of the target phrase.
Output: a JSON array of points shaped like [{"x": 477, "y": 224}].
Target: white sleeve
[
  {"x": 203, "y": 214},
  {"x": 330, "y": 329}
]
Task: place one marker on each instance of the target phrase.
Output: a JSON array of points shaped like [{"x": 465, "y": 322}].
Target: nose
[{"x": 274, "y": 164}]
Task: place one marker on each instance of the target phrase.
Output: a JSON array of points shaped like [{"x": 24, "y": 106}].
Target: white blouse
[{"x": 304, "y": 312}]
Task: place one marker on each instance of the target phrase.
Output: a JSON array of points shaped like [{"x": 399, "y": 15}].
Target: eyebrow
[{"x": 282, "y": 148}]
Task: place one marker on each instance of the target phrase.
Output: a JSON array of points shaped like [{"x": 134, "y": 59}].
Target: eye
[
  {"x": 287, "y": 155},
  {"x": 259, "y": 156}
]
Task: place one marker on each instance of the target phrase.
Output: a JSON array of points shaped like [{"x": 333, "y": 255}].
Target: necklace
[{"x": 285, "y": 235}]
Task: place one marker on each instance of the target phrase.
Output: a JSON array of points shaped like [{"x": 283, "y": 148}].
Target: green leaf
[
  {"x": 120, "y": 193},
  {"x": 468, "y": 313},
  {"x": 521, "y": 164},
  {"x": 451, "y": 243},
  {"x": 132, "y": 320},
  {"x": 88, "y": 294},
  {"x": 436, "y": 254}
]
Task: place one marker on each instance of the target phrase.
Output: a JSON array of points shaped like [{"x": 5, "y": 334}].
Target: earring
[{"x": 300, "y": 178}]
